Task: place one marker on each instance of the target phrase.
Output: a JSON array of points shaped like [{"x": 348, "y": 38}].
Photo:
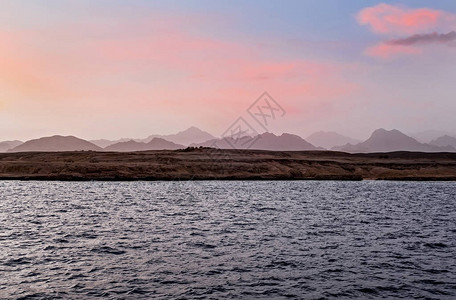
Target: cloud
[
  {"x": 386, "y": 51},
  {"x": 92, "y": 70},
  {"x": 389, "y": 19},
  {"x": 430, "y": 38},
  {"x": 415, "y": 24},
  {"x": 407, "y": 46}
]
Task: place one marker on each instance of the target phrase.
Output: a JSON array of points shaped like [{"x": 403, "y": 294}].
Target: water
[{"x": 227, "y": 240}]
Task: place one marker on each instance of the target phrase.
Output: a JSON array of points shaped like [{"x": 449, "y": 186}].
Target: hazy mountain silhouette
[
  {"x": 103, "y": 143},
  {"x": 154, "y": 144},
  {"x": 56, "y": 143},
  {"x": 427, "y": 136},
  {"x": 265, "y": 141},
  {"x": 7, "y": 145},
  {"x": 186, "y": 137},
  {"x": 330, "y": 139},
  {"x": 383, "y": 140},
  {"x": 444, "y": 141},
  {"x": 130, "y": 145}
]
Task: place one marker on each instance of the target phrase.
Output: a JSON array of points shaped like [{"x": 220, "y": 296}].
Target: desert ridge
[{"x": 221, "y": 164}]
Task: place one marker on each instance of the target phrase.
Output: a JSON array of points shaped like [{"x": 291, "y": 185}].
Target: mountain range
[
  {"x": 330, "y": 139},
  {"x": 444, "y": 141},
  {"x": 427, "y": 136},
  {"x": 381, "y": 140},
  {"x": 56, "y": 143},
  {"x": 265, "y": 141},
  {"x": 154, "y": 144},
  {"x": 6, "y": 145},
  {"x": 185, "y": 137}
]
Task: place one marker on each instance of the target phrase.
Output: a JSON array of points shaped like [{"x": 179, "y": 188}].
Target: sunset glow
[{"x": 99, "y": 69}]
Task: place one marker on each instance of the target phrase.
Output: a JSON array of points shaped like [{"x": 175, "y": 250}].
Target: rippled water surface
[{"x": 227, "y": 239}]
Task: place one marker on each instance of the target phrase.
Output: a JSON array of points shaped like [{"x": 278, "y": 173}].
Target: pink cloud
[
  {"x": 416, "y": 24},
  {"x": 386, "y": 51},
  {"x": 389, "y": 19},
  {"x": 162, "y": 68}
]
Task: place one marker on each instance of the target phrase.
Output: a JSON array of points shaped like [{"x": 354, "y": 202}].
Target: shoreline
[
  {"x": 25, "y": 179},
  {"x": 216, "y": 164}
]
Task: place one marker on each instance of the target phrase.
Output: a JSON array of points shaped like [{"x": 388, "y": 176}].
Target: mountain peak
[
  {"x": 264, "y": 141},
  {"x": 154, "y": 144},
  {"x": 7, "y": 145},
  {"x": 186, "y": 137},
  {"x": 56, "y": 143},
  {"x": 268, "y": 134},
  {"x": 384, "y": 132},
  {"x": 380, "y": 131},
  {"x": 383, "y": 140},
  {"x": 193, "y": 128},
  {"x": 444, "y": 141},
  {"x": 330, "y": 139}
]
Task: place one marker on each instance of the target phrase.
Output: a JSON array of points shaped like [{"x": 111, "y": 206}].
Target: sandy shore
[{"x": 209, "y": 164}]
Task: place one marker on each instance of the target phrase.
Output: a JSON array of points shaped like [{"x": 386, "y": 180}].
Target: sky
[{"x": 112, "y": 69}]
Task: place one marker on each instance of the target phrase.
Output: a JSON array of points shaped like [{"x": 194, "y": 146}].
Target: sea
[{"x": 227, "y": 240}]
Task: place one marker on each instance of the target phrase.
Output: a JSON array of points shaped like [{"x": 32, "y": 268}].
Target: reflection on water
[{"x": 227, "y": 239}]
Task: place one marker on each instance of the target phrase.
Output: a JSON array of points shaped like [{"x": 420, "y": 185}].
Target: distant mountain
[
  {"x": 154, "y": 144},
  {"x": 56, "y": 143},
  {"x": 103, "y": 143},
  {"x": 330, "y": 139},
  {"x": 186, "y": 137},
  {"x": 6, "y": 145},
  {"x": 128, "y": 146},
  {"x": 383, "y": 140},
  {"x": 265, "y": 141},
  {"x": 444, "y": 141},
  {"x": 428, "y": 135}
]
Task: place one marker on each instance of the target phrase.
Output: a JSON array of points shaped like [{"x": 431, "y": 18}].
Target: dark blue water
[{"x": 227, "y": 240}]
